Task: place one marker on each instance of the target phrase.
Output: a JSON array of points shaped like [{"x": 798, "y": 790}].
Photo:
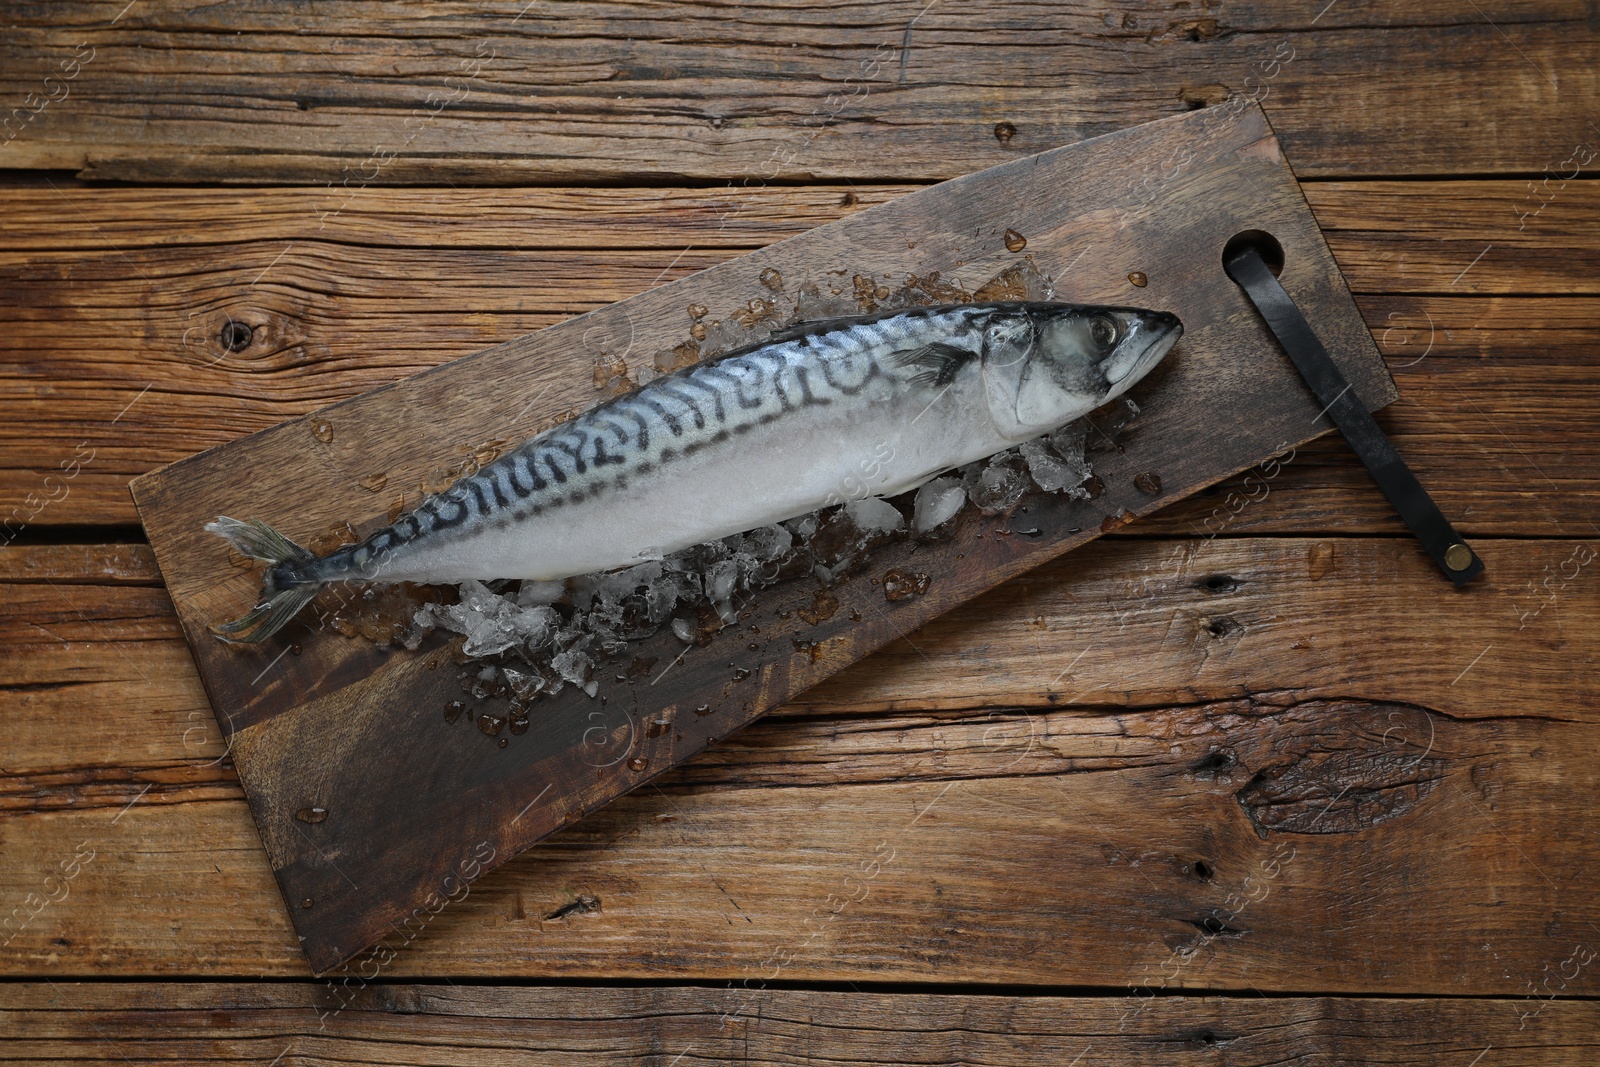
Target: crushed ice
[{"x": 536, "y": 638}]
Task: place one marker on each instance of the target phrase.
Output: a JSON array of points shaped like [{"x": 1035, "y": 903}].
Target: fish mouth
[{"x": 1153, "y": 338}]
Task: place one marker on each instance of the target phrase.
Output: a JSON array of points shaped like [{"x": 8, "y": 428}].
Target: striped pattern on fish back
[{"x": 672, "y": 416}]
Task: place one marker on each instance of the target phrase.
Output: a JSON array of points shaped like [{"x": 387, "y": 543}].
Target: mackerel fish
[{"x": 814, "y": 415}]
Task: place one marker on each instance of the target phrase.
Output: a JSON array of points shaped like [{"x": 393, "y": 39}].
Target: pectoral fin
[{"x": 939, "y": 362}]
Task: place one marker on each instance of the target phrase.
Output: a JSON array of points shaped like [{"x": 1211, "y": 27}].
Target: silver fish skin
[{"x": 812, "y": 416}]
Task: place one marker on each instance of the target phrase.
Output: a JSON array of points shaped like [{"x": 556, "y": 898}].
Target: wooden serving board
[{"x": 375, "y": 811}]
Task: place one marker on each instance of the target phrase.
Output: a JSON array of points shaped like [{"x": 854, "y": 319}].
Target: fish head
[{"x": 1047, "y": 364}]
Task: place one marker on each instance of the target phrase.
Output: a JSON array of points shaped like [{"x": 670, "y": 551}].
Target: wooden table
[{"x": 1240, "y": 783}]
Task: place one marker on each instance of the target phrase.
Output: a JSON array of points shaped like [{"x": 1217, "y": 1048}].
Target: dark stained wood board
[{"x": 415, "y": 805}]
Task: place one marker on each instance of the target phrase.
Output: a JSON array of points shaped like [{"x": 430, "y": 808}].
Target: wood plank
[
  {"x": 1140, "y": 611},
  {"x": 1061, "y": 844},
  {"x": 54, "y": 215},
  {"x": 1114, "y": 846},
  {"x": 109, "y": 284},
  {"x": 1534, "y": 236},
  {"x": 618, "y": 90},
  {"x": 1388, "y": 236},
  {"x": 324, "y": 722},
  {"x": 85, "y": 564},
  {"x": 85, "y": 1023}
]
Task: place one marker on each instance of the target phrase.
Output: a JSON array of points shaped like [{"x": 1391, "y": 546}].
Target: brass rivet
[{"x": 1458, "y": 557}]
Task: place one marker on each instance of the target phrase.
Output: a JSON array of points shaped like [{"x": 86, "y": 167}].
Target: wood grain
[
  {"x": 1506, "y": 238},
  {"x": 309, "y": 730},
  {"x": 643, "y": 138},
  {"x": 1237, "y": 844},
  {"x": 1496, "y": 388},
  {"x": 84, "y": 1023},
  {"x": 467, "y": 94},
  {"x": 1315, "y": 618},
  {"x": 1061, "y": 844}
]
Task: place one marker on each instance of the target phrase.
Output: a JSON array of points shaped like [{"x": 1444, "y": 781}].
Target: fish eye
[{"x": 1104, "y": 330}]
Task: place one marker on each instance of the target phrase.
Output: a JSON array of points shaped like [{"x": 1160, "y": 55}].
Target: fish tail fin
[
  {"x": 258, "y": 540},
  {"x": 284, "y": 593}
]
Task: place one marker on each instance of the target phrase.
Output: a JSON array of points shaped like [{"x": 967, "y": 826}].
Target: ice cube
[
  {"x": 998, "y": 487},
  {"x": 874, "y": 515},
  {"x": 1050, "y": 472},
  {"x": 937, "y": 502},
  {"x": 804, "y": 528},
  {"x": 524, "y": 684},
  {"x": 768, "y": 542},
  {"x": 573, "y": 666},
  {"x": 533, "y": 593},
  {"x": 721, "y": 580}
]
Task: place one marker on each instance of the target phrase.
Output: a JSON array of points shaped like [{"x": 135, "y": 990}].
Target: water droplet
[
  {"x": 703, "y": 709},
  {"x": 698, "y": 311},
  {"x": 306, "y": 902},
  {"x": 608, "y": 369},
  {"x": 504, "y": 742},
  {"x": 1319, "y": 560},
  {"x": 294, "y": 650},
  {"x": 374, "y": 482},
  {"x": 322, "y": 430},
  {"x": 740, "y": 673},
  {"x": 1114, "y": 522},
  {"x": 491, "y": 724},
  {"x": 453, "y": 710},
  {"x": 1148, "y": 482},
  {"x": 901, "y": 585},
  {"x": 823, "y": 605},
  {"x": 772, "y": 279},
  {"x": 1094, "y": 486},
  {"x": 638, "y": 763},
  {"x": 881, "y": 293},
  {"x": 519, "y": 724},
  {"x": 657, "y": 727},
  {"x": 1138, "y": 278},
  {"x": 311, "y": 815},
  {"x": 1015, "y": 242},
  {"x": 698, "y": 331},
  {"x": 1004, "y": 131}
]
